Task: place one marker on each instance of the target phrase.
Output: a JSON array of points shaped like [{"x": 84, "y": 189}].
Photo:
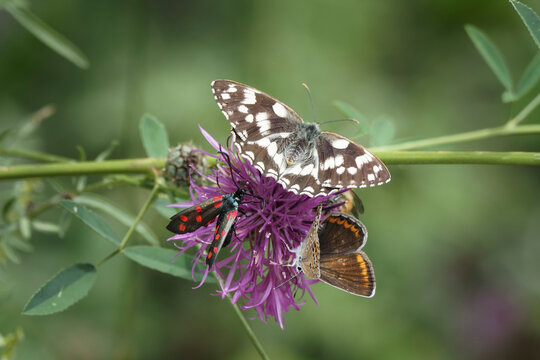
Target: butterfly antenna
[
  {"x": 345, "y": 119},
  {"x": 283, "y": 283},
  {"x": 311, "y": 101}
]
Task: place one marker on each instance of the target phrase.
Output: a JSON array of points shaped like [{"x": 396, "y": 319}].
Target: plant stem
[
  {"x": 458, "y": 157},
  {"x": 34, "y": 155},
  {"x": 462, "y": 137},
  {"x": 390, "y": 157},
  {"x": 512, "y": 123},
  {"x": 81, "y": 168},
  {"x": 250, "y": 332},
  {"x": 140, "y": 215}
]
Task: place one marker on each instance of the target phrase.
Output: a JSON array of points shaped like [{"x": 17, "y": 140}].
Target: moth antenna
[
  {"x": 230, "y": 167},
  {"x": 311, "y": 101}
]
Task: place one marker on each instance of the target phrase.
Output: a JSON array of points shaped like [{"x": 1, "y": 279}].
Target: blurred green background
[{"x": 455, "y": 248}]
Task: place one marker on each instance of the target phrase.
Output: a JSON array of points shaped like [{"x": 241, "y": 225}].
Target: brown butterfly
[{"x": 331, "y": 253}]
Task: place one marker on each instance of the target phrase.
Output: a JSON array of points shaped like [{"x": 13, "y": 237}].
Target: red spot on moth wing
[
  {"x": 198, "y": 218},
  {"x": 210, "y": 254},
  {"x": 182, "y": 227},
  {"x": 198, "y": 209},
  {"x": 183, "y": 218},
  {"x": 218, "y": 204},
  {"x": 216, "y": 198},
  {"x": 217, "y": 236}
]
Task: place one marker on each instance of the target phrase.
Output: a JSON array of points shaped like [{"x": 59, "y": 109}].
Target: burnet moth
[{"x": 224, "y": 207}]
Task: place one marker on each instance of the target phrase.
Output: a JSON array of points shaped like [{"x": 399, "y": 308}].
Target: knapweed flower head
[{"x": 255, "y": 269}]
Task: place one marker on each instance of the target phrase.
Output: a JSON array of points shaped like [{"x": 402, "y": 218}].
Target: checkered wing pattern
[{"x": 276, "y": 141}]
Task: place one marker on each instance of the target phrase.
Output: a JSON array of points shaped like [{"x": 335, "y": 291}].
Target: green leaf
[
  {"x": 108, "y": 151},
  {"x": 163, "y": 260},
  {"x": 45, "y": 227},
  {"x": 47, "y": 35},
  {"x": 382, "y": 131},
  {"x": 530, "y": 77},
  {"x": 95, "y": 222},
  {"x": 352, "y": 113},
  {"x": 491, "y": 55},
  {"x": 123, "y": 217},
  {"x": 65, "y": 289},
  {"x": 530, "y": 19},
  {"x": 154, "y": 137}
]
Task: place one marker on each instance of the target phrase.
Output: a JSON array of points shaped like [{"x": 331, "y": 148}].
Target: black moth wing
[
  {"x": 223, "y": 232},
  {"x": 192, "y": 218},
  {"x": 343, "y": 164},
  {"x": 349, "y": 272},
  {"x": 341, "y": 233}
]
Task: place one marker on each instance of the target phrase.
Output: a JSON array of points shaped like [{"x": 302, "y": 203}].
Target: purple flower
[{"x": 254, "y": 270}]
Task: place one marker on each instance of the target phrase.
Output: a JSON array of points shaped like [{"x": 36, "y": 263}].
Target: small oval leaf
[
  {"x": 164, "y": 260},
  {"x": 530, "y": 77},
  {"x": 491, "y": 55},
  {"x": 154, "y": 137},
  {"x": 95, "y": 222},
  {"x": 352, "y": 113},
  {"x": 530, "y": 19},
  {"x": 65, "y": 289},
  {"x": 98, "y": 203},
  {"x": 47, "y": 35}
]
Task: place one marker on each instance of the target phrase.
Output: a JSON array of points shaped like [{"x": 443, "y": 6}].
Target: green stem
[
  {"x": 34, "y": 155},
  {"x": 140, "y": 166},
  {"x": 462, "y": 137},
  {"x": 108, "y": 257},
  {"x": 390, "y": 157},
  {"x": 140, "y": 215},
  {"x": 250, "y": 332},
  {"x": 458, "y": 157},
  {"x": 512, "y": 123}
]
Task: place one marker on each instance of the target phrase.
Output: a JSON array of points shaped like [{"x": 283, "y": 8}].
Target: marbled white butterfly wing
[{"x": 276, "y": 141}]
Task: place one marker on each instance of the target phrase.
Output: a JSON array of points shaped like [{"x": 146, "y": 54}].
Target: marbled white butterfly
[{"x": 304, "y": 160}]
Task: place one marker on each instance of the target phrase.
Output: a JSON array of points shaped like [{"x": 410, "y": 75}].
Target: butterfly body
[
  {"x": 223, "y": 207},
  {"x": 303, "y": 159},
  {"x": 331, "y": 253}
]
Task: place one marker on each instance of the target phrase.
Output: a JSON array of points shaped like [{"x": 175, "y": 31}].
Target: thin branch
[
  {"x": 459, "y": 157},
  {"x": 512, "y": 123},
  {"x": 462, "y": 137},
  {"x": 140, "y": 215},
  {"x": 140, "y": 166},
  {"x": 250, "y": 332}
]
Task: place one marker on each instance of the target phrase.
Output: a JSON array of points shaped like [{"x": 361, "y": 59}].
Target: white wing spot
[
  {"x": 352, "y": 170},
  {"x": 225, "y": 96},
  {"x": 329, "y": 163},
  {"x": 232, "y": 89},
  {"x": 243, "y": 109},
  {"x": 279, "y": 110},
  {"x": 370, "y": 177},
  {"x": 340, "y": 144},
  {"x": 249, "y": 97},
  {"x": 340, "y": 170},
  {"x": 272, "y": 149},
  {"x": 249, "y": 118},
  {"x": 264, "y": 126},
  {"x": 339, "y": 160},
  {"x": 250, "y": 155},
  {"x": 307, "y": 170},
  {"x": 260, "y": 165},
  {"x": 261, "y": 116}
]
